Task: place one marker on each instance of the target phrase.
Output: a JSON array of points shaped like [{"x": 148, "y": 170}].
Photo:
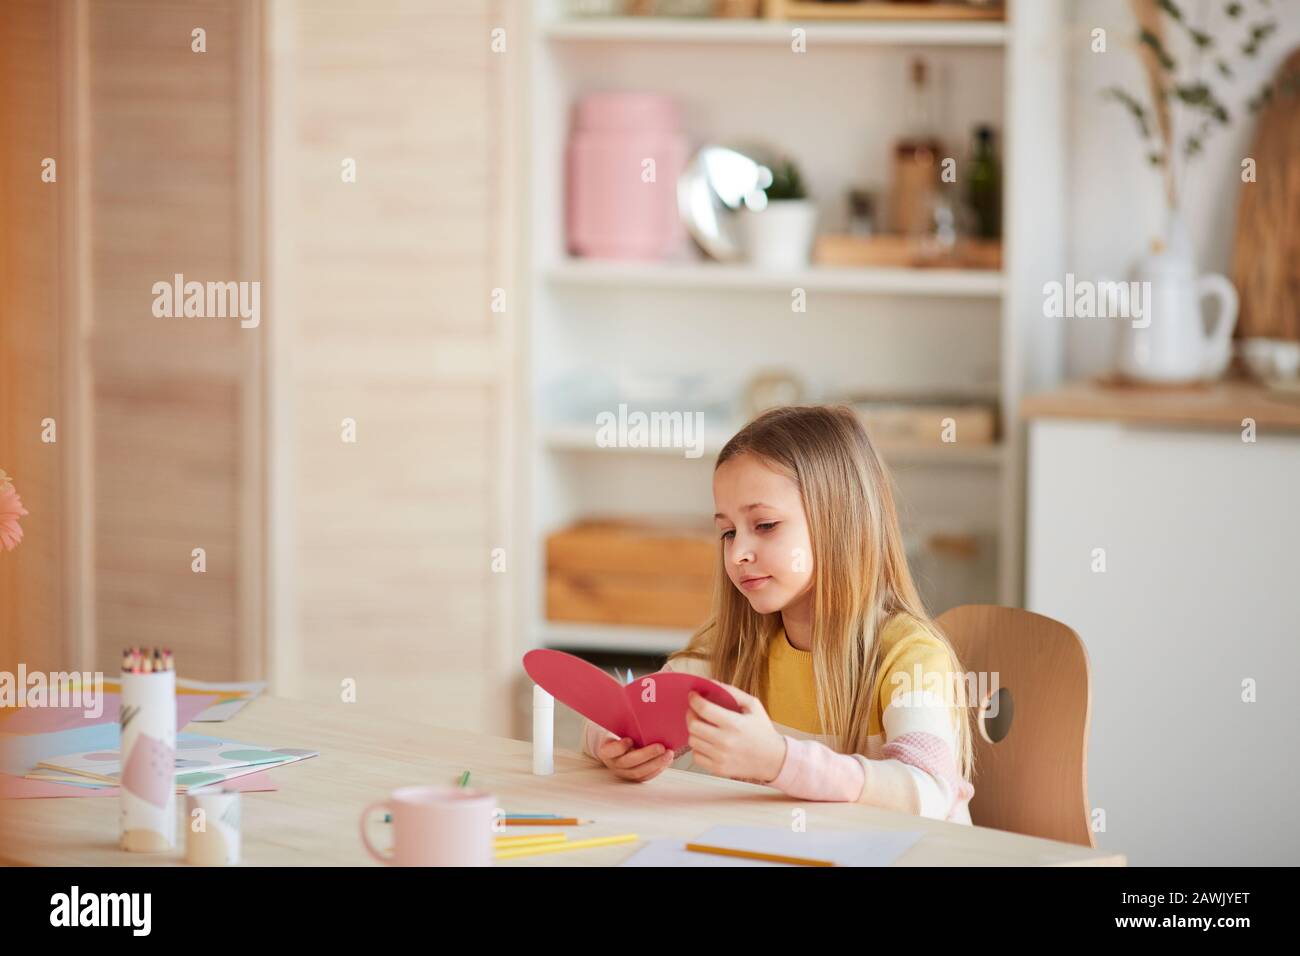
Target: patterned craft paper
[
  {"x": 202, "y": 701},
  {"x": 20, "y": 753},
  {"x": 184, "y": 782},
  {"x": 231, "y": 697},
  {"x": 40, "y": 786},
  {"x": 47, "y": 720},
  {"x": 199, "y": 760}
]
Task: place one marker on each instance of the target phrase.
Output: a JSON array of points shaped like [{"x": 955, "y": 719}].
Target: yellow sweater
[
  {"x": 911, "y": 759},
  {"x": 903, "y": 647}
]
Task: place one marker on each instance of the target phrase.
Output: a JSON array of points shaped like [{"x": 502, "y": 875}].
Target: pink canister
[{"x": 614, "y": 210}]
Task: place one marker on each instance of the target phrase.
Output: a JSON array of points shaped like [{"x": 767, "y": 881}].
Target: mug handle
[{"x": 386, "y": 858}]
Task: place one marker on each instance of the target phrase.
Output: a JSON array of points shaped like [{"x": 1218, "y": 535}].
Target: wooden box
[
  {"x": 903, "y": 424},
  {"x": 631, "y": 573},
  {"x": 891, "y": 251},
  {"x": 879, "y": 10}
]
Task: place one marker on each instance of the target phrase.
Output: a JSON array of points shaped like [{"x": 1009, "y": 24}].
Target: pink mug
[{"x": 436, "y": 826}]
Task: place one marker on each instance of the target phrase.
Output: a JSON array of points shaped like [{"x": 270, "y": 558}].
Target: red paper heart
[{"x": 650, "y": 710}]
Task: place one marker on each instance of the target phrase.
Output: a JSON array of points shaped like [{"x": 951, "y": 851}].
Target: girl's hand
[
  {"x": 640, "y": 765},
  {"x": 743, "y": 746}
]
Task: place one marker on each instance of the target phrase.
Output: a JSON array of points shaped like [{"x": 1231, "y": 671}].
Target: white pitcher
[{"x": 1169, "y": 343}]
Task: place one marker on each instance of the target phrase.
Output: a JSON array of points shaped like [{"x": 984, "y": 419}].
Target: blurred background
[{"x": 522, "y": 268}]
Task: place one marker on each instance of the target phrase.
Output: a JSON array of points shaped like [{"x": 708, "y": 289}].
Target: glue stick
[{"x": 543, "y": 732}]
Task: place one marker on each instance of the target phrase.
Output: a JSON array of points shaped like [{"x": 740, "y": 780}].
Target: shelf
[
  {"x": 997, "y": 73},
  {"x": 945, "y": 283},
  {"x": 578, "y": 437},
  {"x": 894, "y": 10},
  {"x": 581, "y": 438},
  {"x": 565, "y": 636},
  {"x": 984, "y": 456},
  {"x": 776, "y": 32}
]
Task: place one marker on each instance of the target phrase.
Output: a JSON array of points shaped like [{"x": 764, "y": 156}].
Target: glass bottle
[
  {"x": 984, "y": 186},
  {"x": 916, "y": 155}
]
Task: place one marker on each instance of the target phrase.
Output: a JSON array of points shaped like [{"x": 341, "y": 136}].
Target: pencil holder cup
[
  {"x": 213, "y": 820},
  {"x": 435, "y": 826},
  {"x": 148, "y": 750}
]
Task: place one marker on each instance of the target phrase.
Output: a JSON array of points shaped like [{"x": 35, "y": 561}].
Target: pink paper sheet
[
  {"x": 19, "y": 788},
  {"x": 46, "y": 720}
]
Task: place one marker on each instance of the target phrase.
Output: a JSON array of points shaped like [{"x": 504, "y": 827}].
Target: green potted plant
[{"x": 781, "y": 221}]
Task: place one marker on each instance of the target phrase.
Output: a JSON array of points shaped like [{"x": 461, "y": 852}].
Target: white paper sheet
[{"x": 842, "y": 847}]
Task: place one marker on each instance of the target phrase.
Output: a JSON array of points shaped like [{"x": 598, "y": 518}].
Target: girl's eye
[
  {"x": 726, "y": 533},
  {"x": 767, "y": 525}
]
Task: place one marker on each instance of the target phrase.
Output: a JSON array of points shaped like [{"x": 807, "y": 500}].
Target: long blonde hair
[{"x": 860, "y": 573}]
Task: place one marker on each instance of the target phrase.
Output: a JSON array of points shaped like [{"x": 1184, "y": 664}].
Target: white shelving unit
[
  {"x": 581, "y": 439},
  {"x": 771, "y": 32},
  {"x": 953, "y": 331},
  {"x": 648, "y": 641},
  {"x": 906, "y": 282}
]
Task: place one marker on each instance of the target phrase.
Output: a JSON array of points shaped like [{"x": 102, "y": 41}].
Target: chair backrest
[{"x": 1034, "y": 779}]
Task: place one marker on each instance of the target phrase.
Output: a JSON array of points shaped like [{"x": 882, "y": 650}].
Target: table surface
[{"x": 364, "y": 755}]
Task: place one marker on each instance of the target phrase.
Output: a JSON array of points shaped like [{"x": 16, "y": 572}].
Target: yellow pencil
[
  {"x": 503, "y": 841},
  {"x": 544, "y": 822},
  {"x": 756, "y": 855},
  {"x": 513, "y": 852}
]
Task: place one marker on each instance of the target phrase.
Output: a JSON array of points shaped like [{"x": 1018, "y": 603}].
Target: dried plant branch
[
  {"x": 1157, "y": 62},
  {"x": 1195, "y": 97}
]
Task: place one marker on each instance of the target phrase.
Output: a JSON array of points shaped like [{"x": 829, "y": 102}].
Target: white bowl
[
  {"x": 1258, "y": 355},
  {"x": 1286, "y": 359}
]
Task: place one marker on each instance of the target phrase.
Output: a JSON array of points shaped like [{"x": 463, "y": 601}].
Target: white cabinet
[{"x": 1200, "y": 592}]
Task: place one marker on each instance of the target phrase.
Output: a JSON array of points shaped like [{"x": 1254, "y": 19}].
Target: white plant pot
[{"x": 781, "y": 235}]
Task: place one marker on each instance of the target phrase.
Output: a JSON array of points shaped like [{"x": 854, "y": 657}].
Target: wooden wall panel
[
  {"x": 32, "y": 597},
  {"x": 170, "y": 193},
  {"x": 383, "y": 287}
]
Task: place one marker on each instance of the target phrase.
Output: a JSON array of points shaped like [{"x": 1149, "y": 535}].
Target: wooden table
[{"x": 312, "y": 818}]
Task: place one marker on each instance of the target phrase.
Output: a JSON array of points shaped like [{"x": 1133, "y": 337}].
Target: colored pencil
[
  {"x": 508, "y": 841},
  {"x": 755, "y": 855},
  {"x": 139, "y": 660},
  {"x": 515, "y": 852},
  {"x": 552, "y": 821}
]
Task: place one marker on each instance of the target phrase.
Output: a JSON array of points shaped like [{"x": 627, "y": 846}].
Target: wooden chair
[{"x": 1034, "y": 779}]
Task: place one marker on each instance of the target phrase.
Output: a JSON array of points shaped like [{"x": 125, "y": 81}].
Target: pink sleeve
[
  {"x": 812, "y": 771},
  {"x": 932, "y": 754},
  {"x": 592, "y": 736}
]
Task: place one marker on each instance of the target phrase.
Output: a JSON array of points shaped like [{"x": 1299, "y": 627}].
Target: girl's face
[{"x": 766, "y": 546}]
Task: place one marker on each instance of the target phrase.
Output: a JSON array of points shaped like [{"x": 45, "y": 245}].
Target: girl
[{"x": 848, "y": 691}]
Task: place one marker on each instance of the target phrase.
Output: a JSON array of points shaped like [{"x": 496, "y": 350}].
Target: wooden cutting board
[{"x": 1266, "y": 251}]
